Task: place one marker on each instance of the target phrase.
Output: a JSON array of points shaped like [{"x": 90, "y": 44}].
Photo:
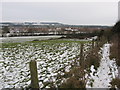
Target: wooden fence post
[
  {"x": 97, "y": 43},
  {"x": 93, "y": 43},
  {"x": 81, "y": 54},
  {"x": 34, "y": 75}
]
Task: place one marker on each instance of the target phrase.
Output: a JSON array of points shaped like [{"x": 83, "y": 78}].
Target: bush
[
  {"x": 116, "y": 27},
  {"x": 93, "y": 58},
  {"x": 114, "y": 49}
]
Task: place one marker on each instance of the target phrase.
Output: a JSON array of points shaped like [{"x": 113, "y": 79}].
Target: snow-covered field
[
  {"x": 105, "y": 73},
  {"x": 53, "y": 57},
  {"x": 25, "y": 38}
]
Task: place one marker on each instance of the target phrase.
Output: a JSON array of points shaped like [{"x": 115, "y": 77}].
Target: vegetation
[
  {"x": 115, "y": 51},
  {"x": 115, "y": 40},
  {"x": 115, "y": 83},
  {"x": 76, "y": 76},
  {"x": 5, "y": 29}
]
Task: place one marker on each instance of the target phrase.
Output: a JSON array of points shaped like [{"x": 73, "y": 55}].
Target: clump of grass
[
  {"x": 74, "y": 78},
  {"x": 73, "y": 82},
  {"x": 115, "y": 83}
]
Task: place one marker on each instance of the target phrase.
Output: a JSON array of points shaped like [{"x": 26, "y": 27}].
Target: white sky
[{"x": 103, "y": 12}]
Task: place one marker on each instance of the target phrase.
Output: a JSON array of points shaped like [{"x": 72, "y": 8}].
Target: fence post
[
  {"x": 93, "y": 43},
  {"x": 34, "y": 75},
  {"x": 81, "y": 54}
]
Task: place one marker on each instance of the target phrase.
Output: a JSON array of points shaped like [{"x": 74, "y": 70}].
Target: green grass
[
  {"x": 6, "y": 45},
  {"x": 48, "y": 42},
  {"x": 58, "y": 41}
]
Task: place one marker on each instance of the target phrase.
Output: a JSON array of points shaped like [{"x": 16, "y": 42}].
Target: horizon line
[{"x": 54, "y": 22}]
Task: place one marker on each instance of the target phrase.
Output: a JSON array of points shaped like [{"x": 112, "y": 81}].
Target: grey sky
[{"x": 65, "y": 12}]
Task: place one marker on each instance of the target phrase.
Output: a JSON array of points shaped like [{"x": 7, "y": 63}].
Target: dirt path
[{"x": 106, "y": 72}]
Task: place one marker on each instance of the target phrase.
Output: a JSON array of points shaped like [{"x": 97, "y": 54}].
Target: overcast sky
[{"x": 105, "y": 13}]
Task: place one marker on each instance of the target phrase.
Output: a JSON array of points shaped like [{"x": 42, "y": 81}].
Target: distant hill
[
  {"x": 51, "y": 23},
  {"x": 43, "y": 24}
]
